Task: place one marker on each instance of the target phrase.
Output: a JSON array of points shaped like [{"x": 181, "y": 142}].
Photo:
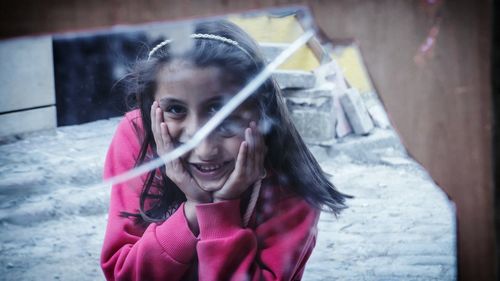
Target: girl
[{"x": 244, "y": 204}]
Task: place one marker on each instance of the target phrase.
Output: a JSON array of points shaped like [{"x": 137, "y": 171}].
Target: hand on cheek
[
  {"x": 249, "y": 166},
  {"x": 175, "y": 169}
]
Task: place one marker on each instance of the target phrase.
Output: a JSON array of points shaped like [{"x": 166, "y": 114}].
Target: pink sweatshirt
[{"x": 275, "y": 245}]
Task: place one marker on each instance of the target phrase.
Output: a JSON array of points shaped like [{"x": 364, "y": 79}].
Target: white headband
[{"x": 202, "y": 36}]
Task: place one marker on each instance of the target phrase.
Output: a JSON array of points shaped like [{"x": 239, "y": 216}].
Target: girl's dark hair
[{"x": 288, "y": 158}]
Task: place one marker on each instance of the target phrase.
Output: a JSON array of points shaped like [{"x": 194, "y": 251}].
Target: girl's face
[{"x": 189, "y": 97}]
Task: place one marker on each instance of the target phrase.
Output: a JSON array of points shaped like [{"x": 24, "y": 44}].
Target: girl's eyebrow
[
  {"x": 216, "y": 99},
  {"x": 168, "y": 100}
]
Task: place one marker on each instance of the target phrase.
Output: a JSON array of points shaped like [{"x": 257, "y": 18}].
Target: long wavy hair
[{"x": 288, "y": 158}]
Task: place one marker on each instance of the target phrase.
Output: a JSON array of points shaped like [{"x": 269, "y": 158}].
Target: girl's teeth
[{"x": 208, "y": 168}]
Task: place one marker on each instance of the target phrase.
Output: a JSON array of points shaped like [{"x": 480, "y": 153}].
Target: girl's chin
[
  {"x": 212, "y": 185},
  {"x": 210, "y": 188}
]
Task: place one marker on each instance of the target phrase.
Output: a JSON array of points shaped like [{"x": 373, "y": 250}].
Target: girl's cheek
[
  {"x": 174, "y": 128},
  {"x": 233, "y": 145}
]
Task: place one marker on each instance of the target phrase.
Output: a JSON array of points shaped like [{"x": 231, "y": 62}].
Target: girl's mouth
[
  {"x": 210, "y": 171},
  {"x": 207, "y": 168}
]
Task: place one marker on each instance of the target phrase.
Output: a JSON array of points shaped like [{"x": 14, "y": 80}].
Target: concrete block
[
  {"x": 294, "y": 79},
  {"x": 27, "y": 121},
  {"x": 313, "y": 114},
  {"x": 376, "y": 110},
  {"x": 330, "y": 73},
  {"x": 272, "y": 50},
  {"x": 356, "y": 112},
  {"x": 26, "y": 73},
  {"x": 308, "y": 94},
  {"x": 379, "y": 116},
  {"x": 343, "y": 127}
]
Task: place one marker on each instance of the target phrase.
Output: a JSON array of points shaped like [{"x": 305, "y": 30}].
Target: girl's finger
[
  {"x": 158, "y": 121},
  {"x": 153, "y": 117},
  {"x": 175, "y": 164},
  {"x": 250, "y": 150},
  {"x": 165, "y": 134},
  {"x": 152, "y": 114},
  {"x": 253, "y": 156},
  {"x": 259, "y": 150},
  {"x": 154, "y": 127},
  {"x": 241, "y": 159},
  {"x": 257, "y": 145},
  {"x": 167, "y": 144}
]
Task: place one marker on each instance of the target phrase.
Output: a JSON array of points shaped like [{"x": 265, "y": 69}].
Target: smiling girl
[{"x": 242, "y": 205}]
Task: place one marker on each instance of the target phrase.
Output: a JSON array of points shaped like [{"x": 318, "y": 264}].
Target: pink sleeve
[
  {"x": 132, "y": 252},
  {"x": 276, "y": 250}
]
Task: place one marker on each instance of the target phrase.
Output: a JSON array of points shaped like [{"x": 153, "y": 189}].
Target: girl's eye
[
  {"x": 230, "y": 128},
  {"x": 213, "y": 108},
  {"x": 176, "y": 110}
]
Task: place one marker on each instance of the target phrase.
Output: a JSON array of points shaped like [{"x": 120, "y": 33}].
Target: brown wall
[{"x": 441, "y": 109}]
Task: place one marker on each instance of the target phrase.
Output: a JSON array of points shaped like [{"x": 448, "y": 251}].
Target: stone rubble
[
  {"x": 313, "y": 114},
  {"x": 271, "y": 50},
  {"x": 295, "y": 79},
  {"x": 356, "y": 112}
]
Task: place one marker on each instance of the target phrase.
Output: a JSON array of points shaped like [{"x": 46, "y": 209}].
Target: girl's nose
[
  {"x": 188, "y": 129},
  {"x": 208, "y": 149}
]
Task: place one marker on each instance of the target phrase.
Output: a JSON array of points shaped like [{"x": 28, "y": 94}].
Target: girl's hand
[
  {"x": 249, "y": 166},
  {"x": 175, "y": 169}
]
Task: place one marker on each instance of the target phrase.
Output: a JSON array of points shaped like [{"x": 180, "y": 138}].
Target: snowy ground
[{"x": 400, "y": 226}]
